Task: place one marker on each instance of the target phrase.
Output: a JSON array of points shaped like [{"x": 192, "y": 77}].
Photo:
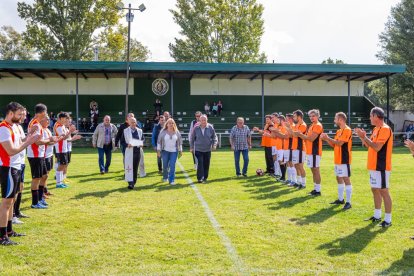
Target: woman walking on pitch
[{"x": 169, "y": 148}]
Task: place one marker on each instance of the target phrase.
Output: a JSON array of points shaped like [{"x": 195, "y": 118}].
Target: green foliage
[
  {"x": 397, "y": 44},
  {"x": 69, "y": 29},
  {"x": 331, "y": 61},
  {"x": 218, "y": 31},
  {"x": 12, "y": 46}
]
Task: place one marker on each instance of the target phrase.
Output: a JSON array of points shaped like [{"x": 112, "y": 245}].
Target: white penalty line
[{"x": 231, "y": 251}]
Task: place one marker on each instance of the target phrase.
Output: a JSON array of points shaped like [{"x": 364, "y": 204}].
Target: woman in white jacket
[
  {"x": 169, "y": 147},
  {"x": 134, "y": 140}
]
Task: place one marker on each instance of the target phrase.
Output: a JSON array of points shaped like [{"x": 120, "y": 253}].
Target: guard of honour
[{"x": 287, "y": 140}]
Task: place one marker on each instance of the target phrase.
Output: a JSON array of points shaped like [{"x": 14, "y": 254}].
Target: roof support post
[
  {"x": 77, "y": 100},
  {"x": 172, "y": 94},
  {"x": 349, "y": 100},
  {"x": 263, "y": 115},
  {"x": 388, "y": 99}
]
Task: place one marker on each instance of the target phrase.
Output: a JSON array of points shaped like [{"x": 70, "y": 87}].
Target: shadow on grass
[
  {"x": 157, "y": 187},
  {"x": 291, "y": 202},
  {"x": 70, "y": 176},
  {"x": 319, "y": 216},
  {"x": 353, "y": 243},
  {"x": 404, "y": 266}
]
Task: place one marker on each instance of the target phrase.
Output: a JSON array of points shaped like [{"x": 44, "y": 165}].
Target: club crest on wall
[{"x": 160, "y": 87}]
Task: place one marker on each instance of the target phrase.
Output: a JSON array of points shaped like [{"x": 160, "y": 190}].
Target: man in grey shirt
[
  {"x": 203, "y": 139},
  {"x": 241, "y": 142}
]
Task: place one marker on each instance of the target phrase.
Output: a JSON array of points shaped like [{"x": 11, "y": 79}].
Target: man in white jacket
[{"x": 134, "y": 140}]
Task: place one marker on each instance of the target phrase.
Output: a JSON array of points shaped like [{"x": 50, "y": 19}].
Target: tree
[
  {"x": 218, "y": 31},
  {"x": 12, "y": 46},
  {"x": 69, "y": 29},
  {"x": 331, "y": 61},
  {"x": 397, "y": 44},
  {"x": 112, "y": 45}
]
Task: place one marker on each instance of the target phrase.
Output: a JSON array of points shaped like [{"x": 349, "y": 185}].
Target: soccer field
[{"x": 229, "y": 226}]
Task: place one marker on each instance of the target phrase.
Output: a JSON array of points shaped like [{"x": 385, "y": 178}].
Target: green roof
[{"x": 91, "y": 69}]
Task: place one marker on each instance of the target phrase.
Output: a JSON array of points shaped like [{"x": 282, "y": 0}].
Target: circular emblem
[{"x": 160, "y": 87}]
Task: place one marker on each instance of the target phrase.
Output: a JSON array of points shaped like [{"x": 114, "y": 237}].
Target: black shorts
[
  {"x": 9, "y": 181},
  {"x": 21, "y": 176},
  {"x": 49, "y": 163},
  {"x": 62, "y": 158},
  {"x": 37, "y": 167},
  {"x": 69, "y": 156}
]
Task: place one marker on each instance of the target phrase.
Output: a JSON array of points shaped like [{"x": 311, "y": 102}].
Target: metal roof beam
[
  {"x": 191, "y": 77},
  {"x": 374, "y": 78},
  {"x": 334, "y": 78},
  {"x": 233, "y": 76},
  {"x": 38, "y": 75},
  {"x": 16, "y": 75},
  {"x": 213, "y": 76},
  {"x": 296, "y": 77},
  {"x": 275, "y": 77},
  {"x": 254, "y": 76},
  {"x": 61, "y": 75},
  {"x": 354, "y": 78},
  {"x": 315, "y": 78},
  {"x": 84, "y": 76},
  {"x": 106, "y": 76}
]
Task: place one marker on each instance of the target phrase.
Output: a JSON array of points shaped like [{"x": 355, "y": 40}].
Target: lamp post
[{"x": 129, "y": 19}]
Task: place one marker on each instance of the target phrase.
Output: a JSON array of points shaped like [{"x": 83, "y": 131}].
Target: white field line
[{"x": 231, "y": 251}]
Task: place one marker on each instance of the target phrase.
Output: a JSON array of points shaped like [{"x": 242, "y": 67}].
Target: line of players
[
  {"x": 289, "y": 142},
  {"x": 40, "y": 143}
]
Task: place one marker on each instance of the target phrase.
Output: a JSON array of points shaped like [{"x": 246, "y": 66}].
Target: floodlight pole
[{"x": 129, "y": 18}]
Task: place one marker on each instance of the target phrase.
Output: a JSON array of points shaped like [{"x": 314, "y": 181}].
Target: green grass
[{"x": 97, "y": 226}]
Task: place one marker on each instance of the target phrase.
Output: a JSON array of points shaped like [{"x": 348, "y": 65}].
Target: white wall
[
  {"x": 398, "y": 117},
  {"x": 55, "y": 86},
  {"x": 275, "y": 88}
]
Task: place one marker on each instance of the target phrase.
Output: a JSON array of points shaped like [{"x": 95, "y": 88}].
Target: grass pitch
[{"x": 98, "y": 226}]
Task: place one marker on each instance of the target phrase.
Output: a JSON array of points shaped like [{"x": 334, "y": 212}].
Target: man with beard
[{"x": 10, "y": 165}]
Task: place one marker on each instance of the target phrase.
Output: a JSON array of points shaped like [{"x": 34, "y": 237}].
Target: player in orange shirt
[
  {"x": 314, "y": 149},
  {"x": 282, "y": 137},
  {"x": 288, "y": 152},
  {"x": 342, "y": 144},
  {"x": 274, "y": 143},
  {"x": 298, "y": 148},
  {"x": 379, "y": 163},
  {"x": 266, "y": 143}
]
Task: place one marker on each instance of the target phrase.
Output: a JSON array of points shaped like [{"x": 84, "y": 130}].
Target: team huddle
[
  {"x": 40, "y": 143},
  {"x": 289, "y": 142}
]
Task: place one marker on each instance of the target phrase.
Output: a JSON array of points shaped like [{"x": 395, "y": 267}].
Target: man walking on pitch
[
  {"x": 134, "y": 139},
  {"x": 10, "y": 147},
  {"x": 241, "y": 142},
  {"x": 193, "y": 124},
  {"x": 379, "y": 163},
  {"x": 342, "y": 144},
  {"x": 314, "y": 149},
  {"x": 154, "y": 139},
  {"x": 104, "y": 139},
  {"x": 203, "y": 141}
]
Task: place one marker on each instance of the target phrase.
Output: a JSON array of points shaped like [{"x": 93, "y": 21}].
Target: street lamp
[{"x": 129, "y": 19}]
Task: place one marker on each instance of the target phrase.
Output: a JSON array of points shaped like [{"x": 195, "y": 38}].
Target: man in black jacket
[
  {"x": 155, "y": 132},
  {"x": 120, "y": 139}
]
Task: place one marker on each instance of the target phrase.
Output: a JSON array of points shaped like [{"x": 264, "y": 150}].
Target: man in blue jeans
[
  {"x": 241, "y": 142},
  {"x": 104, "y": 139}
]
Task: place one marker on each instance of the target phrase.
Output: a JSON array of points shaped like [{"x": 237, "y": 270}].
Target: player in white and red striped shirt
[{"x": 10, "y": 165}]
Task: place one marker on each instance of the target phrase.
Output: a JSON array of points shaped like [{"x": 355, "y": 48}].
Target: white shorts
[
  {"x": 280, "y": 155},
  {"x": 379, "y": 179},
  {"x": 298, "y": 158},
  {"x": 287, "y": 155},
  {"x": 274, "y": 151},
  {"x": 313, "y": 161},
  {"x": 343, "y": 170}
]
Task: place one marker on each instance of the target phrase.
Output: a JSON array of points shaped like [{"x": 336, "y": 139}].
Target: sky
[{"x": 296, "y": 31}]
